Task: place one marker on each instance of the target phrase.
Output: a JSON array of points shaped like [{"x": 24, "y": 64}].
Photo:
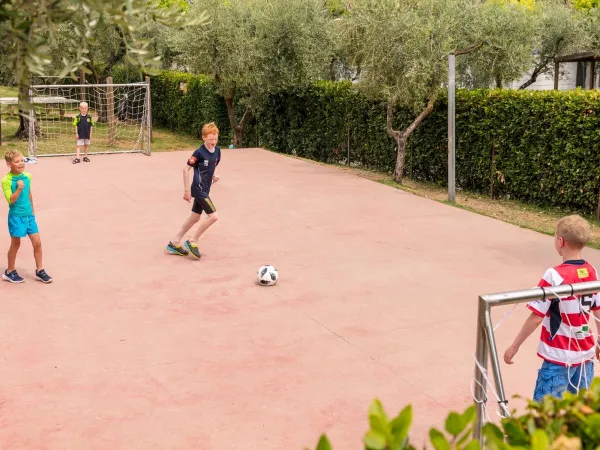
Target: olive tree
[
  {"x": 256, "y": 47},
  {"x": 402, "y": 47}
]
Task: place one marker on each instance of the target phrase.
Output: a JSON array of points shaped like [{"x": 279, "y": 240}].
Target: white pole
[{"x": 451, "y": 129}]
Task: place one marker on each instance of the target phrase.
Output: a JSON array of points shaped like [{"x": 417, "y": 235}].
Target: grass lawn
[{"x": 7, "y": 91}]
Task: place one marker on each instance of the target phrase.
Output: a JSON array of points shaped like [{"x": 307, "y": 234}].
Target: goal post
[
  {"x": 486, "y": 344},
  {"x": 120, "y": 112}
]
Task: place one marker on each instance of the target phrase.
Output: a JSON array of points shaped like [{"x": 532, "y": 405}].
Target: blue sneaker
[
  {"x": 43, "y": 276},
  {"x": 12, "y": 277},
  {"x": 176, "y": 249}
]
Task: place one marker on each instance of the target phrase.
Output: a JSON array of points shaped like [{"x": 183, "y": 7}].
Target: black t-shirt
[
  {"x": 84, "y": 125},
  {"x": 204, "y": 164}
]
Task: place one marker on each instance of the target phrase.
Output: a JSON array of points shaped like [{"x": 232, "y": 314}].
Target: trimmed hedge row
[{"x": 538, "y": 146}]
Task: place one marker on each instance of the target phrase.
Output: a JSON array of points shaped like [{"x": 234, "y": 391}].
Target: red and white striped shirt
[{"x": 573, "y": 342}]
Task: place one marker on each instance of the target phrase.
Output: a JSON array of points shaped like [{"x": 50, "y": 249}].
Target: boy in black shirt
[
  {"x": 204, "y": 161},
  {"x": 83, "y": 131}
]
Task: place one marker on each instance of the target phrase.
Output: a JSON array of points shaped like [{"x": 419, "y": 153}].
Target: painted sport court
[{"x": 131, "y": 348}]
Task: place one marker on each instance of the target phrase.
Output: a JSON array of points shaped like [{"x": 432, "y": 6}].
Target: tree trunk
[
  {"x": 533, "y": 77},
  {"x": 400, "y": 156},
  {"x": 237, "y": 127},
  {"x": 23, "y": 130},
  {"x": 401, "y": 137}
]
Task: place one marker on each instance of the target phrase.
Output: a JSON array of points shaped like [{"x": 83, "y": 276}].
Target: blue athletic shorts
[
  {"x": 555, "y": 380},
  {"x": 21, "y": 226}
]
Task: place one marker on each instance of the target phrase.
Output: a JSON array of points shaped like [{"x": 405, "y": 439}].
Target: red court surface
[{"x": 130, "y": 348}]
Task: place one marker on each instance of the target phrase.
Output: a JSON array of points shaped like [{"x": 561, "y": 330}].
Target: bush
[
  {"x": 189, "y": 109},
  {"x": 541, "y": 147},
  {"x": 570, "y": 423},
  {"x": 537, "y": 146}
]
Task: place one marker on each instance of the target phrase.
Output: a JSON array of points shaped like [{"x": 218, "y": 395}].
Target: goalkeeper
[{"x": 83, "y": 131}]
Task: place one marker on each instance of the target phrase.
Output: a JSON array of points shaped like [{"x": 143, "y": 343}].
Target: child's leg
[
  {"x": 85, "y": 153},
  {"x": 76, "y": 160},
  {"x": 205, "y": 225},
  {"x": 211, "y": 212},
  {"x": 187, "y": 225},
  {"x": 15, "y": 243},
  {"x": 36, "y": 241},
  {"x": 552, "y": 380}
]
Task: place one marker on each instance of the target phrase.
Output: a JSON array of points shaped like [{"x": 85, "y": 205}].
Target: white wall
[{"x": 566, "y": 81}]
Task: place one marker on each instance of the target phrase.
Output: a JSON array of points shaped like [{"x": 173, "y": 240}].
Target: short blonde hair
[
  {"x": 575, "y": 230},
  {"x": 82, "y": 104},
  {"x": 209, "y": 128},
  {"x": 11, "y": 154}
]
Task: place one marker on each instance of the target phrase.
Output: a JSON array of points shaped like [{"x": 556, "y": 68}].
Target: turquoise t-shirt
[{"x": 22, "y": 207}]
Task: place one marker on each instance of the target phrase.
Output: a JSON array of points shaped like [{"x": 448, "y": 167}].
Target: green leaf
[
  {"x": 401, "y": 426},
  {"x": 469, "y": 415},
  {"x": 375, "y": 441},
  {"x": 473, "y": 445},
  {"x": 324, "y": 443},
  {"x": 379, "y": 421},
  {"x": 454, "y": 424},
  {"x": 539, "y": 440},
  {"x": 438, "y": 440}
]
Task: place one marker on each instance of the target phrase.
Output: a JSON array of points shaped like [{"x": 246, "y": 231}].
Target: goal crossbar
[
  {"x": 486, "y": 344},
  {"x": 64, "y": 86}
]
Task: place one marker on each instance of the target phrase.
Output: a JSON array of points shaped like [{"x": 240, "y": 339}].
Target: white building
[{"x": 574, "y": 71}]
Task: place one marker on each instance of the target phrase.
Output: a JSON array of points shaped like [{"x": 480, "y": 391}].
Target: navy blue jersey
[
  {"x": 84, "y": 125},
  {"x": 204, "y": 164}
]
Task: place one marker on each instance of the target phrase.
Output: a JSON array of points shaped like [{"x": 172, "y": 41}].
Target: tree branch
[
  {"x": 420, "y": 118},
  {"x": 470, "y": 49},
  {"x": 390, "y": 115}
]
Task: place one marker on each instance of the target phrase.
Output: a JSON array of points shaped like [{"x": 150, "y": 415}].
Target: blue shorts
[
  {"x": 555, "y": 380},
  {"x": 21, "y": 226}
]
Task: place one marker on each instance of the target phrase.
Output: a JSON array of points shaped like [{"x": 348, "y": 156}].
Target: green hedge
[
  {"x": 538, "y": 146},
  {"x": 187, "y": 111}
]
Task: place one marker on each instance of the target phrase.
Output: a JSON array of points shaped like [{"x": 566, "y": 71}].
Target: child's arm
[
  {"x": 15, "y": 195},
  {"x": 187, "y": 195},
  {"x": 532, "y": 322},
  {"x": 596, "y": 314},
  {"x": 31, "y": 201}
]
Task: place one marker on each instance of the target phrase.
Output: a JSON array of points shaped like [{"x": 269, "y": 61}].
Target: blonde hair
[
  {"x": 209, "y": 128},
  {"x": 11, "y": 154},
  {"x": 575, "y": 230},
  {"x": 82, "y": 104}
]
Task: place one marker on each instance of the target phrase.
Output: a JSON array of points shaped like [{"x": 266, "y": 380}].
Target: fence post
[
  {"x": 481, "y": 356},
  {"x": 110, "y": 110}
]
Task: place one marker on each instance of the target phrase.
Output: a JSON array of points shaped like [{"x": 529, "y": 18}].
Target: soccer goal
[
  {"x": 486, "y": 343},
  {"x": 121, "y": 114}
]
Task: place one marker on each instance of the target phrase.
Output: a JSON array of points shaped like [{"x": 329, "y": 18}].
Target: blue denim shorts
[
  {"x": 555, "y": 380},
  {"x": 21, "y": 226}
]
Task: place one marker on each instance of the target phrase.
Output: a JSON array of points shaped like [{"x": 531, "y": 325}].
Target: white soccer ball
[{"x": 267, "y": 275}]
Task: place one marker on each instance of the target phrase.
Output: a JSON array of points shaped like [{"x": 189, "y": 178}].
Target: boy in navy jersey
[{"x": 204, "y": 161}]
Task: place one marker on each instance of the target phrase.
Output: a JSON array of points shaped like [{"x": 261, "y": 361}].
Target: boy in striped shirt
[{"x": 567, "y": 344}]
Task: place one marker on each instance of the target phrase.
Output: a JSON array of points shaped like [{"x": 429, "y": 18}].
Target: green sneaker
[{"x": 193, "y": 248}]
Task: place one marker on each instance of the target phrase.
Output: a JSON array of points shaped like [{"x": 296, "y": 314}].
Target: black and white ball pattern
[{"x": 267, "y": 275}]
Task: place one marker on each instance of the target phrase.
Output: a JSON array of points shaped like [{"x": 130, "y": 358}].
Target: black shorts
[{"x": 203, "y": 204}]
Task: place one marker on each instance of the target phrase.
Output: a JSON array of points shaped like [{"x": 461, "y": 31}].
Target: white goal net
[{"x": 121, "y": 115}]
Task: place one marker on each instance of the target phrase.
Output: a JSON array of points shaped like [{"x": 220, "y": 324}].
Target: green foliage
[
  {"x": 537, "y": 146},
  {"x": 189, "y": 109},
  {"x": 570, "y": 423},
  {"x": 585, "y": 4},
  {"x": 32, "y": 27}
]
